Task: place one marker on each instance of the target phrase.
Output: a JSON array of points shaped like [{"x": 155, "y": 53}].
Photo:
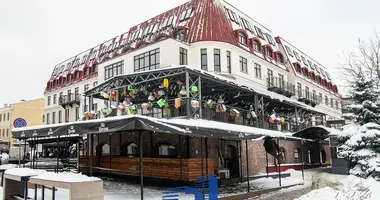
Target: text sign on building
[{"x": 19, "y": 123}]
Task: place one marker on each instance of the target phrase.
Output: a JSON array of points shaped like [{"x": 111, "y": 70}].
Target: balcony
[
  {"x": 69, "y": 99},
  {"x": 307, "y": 97},
  {"x": 280, "y": 86}
]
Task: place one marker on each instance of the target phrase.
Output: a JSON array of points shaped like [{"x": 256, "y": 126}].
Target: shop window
[
  {"x": 297, "y": 156},
  {"x": 309, "y": 156},
  {"x": 282, "y": 155},
  {"x": 322, "y": 156},
  {"x": 105, "y": 150}
]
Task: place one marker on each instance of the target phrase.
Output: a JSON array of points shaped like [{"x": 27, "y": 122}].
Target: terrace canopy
[
  {"x": 188, "y": 127},
  {"x": 316, "y": 133}
]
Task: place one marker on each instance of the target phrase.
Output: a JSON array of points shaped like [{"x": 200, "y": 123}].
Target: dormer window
[
  {"x": 86, "y": 71},
  {"x": 167, "y": 22},
  {"x": 311, "y": 65},
  {"x": 270, "y": 39},
  {"x": 316, "y": 68},
  {"x": 135, "y": 35},
  {"x": 296, "y": 55},
  {"x": 69, "y": 78},
  {"x": 268, "y": 52},
  {"x": 304, "y": 60},
  {"x": 186, "y": 14},
  {"x": 149, "y": 29},
  {"x": 76, "y": 75},
  {"x": 242, "y": 38},
  {"x": 297, "y": 67},
  {"x": 289, "y": 51},
  {"x": 180, "y": 35},
  {"x": 305, "y": 72},
  {"x": 256, "y": 45},
  {"x": 246, "y": 25},
  {"x": 259, "y": 33},
  {"x": 233, "y": 16},
  {"x": 280, "y": 58}
]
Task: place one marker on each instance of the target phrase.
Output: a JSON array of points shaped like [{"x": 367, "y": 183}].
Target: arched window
[
  {"x": 268, "y": 52},
  {"x": 166, "y": 150},
  {"x": 309, "y": 156},
  {"x": 132, "y": 150},
  {"x": 256, "y": 45},
  {"x": 296, "y": 156},
  {"x": 242, "y": 38},
  {"x": 282, "y": 155},
  {"x": 280, "y": 58},
  {"x": 105, "y": 150},
  {"x": 180, "y": 35}
]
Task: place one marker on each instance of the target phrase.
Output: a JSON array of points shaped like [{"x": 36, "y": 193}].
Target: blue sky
[{"x": 36, "y": 35}]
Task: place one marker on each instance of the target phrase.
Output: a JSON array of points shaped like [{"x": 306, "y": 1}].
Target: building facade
[
  {"x": 209, "y": 35},
  {"x": 5, "y": 124}
]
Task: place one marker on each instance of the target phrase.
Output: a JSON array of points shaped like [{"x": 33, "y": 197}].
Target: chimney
[{"x": 5, "y": 105}]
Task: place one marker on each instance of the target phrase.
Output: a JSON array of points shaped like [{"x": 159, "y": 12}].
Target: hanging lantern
[
  {"x": 125, "y": 92},
  {"x": 101, "y": 94},
  {"x": 132, "y": 109},
  {"x": 156, "y": 95},
  {"x": 210, "y": 103},
  {"x": 221, "y": 108},
  {"x": 234, "y": 113},
  {"x": 195, "y": 104},
  {"x": 220, "y": 100},
  {"x": 161, "y": 93},
  {"x": 166, "y": 83},
  {"x": 151, "y": 97},
  {"x": 179, "y": 83},
  {"x": 177, "y": 103},
  {"x": 183, "y": 91},
  {"x": 253, "y": 114},
  {"x": 282, "y": 120}
]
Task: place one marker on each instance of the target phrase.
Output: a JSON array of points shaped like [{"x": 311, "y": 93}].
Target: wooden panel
[{"x": 161, "y": 168}]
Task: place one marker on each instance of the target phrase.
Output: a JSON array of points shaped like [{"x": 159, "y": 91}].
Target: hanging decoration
[
  {"x": 125, "y": 92},
  {"x": 177, "y": 103},
  {"x": 253, "y": 114},
  {"x": 132, "y": 109},
  {"x": 112, "y": 95},
  {"x": 146, "y": 106},
  {"x": 179, "y": 83},
  {"x": 183, "y": 92},
  {"x": 156, "y": 95},
  {"x": 151, "y": 97},
  {"x": 121, "y": 109},
  {"x": 272, "y": 118},
  {"x": 161, "y": 93},
  {"x": 161, "y": 102},
  {"x": 234, "y": 113},
  {"x": 195, "y": 104},
  {"x": 194, "y": 89},
  {"x": 210, "y": 103},
  {"x": 221, "y": 108}
]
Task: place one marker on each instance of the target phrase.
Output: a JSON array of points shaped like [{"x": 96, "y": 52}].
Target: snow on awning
[{"x": 316, "y": 132}]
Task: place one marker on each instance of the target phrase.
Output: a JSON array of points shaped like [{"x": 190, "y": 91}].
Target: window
[
  {"x": 7, "y": 132},
  {"x": 76, "y": 90},
  {"x": 167, "y": 22},
  {"x": 309, "y": 156},
  {"x": 256, "y": 45},
  {"x": 297, "y": 56},
  {"x": 299, "y": 89},
  {"x": 307, "y": 94},
  {"x": 296, "y": 156},
  {"x": 186, "y": 14},
  {"x": 4, "y": 117},
  {"x": 310, "y": 64},
  {"x": 289, "y": 51},
  {"x": 60, "y": 116},
  {"x": 326, "y": 100},
  {"x": 95, "y": 107},
  {"x": 304, "y": 60},
  {"x": 242, "y": 38},
  {"x": 48, "y": 118},
  {"x": 104, "y": 150},
  {"x": 3, "y": 133},
  {"x": 148, "y": 30},
  {"x": 282, "y": 155},
  {"x": 332, "y": 103},
  {"x": 268, "y": 52},
  {"x": 69, "y": 78},
  {"x": 320, "y": 98},
  {"x": 95, "y": 68},
  {"x": 48, "y": 101},
  {"x": 166, "y": 150},
  {"x": 281, "y": 81},
  {"x": 113, "y": 70},
  {"x": 132, "y": 150},
  {"x": 86, "y": 87},
  {"x": 337, "y": 105},
  {"x": 180, "y": 35},
  {"x": 259, "y": 33},
  {"x": 228, "y": 62},
  {"x": 314, "y": 97},
  {"x": 243, "y": 65},
  {"x": 53, "y": 118},
  {"x": 280, "y": 58},
  {"x": 95, "y": 83},
  {"x": 246, "y": 24},
  {"x": 7, "y": 116},
  {"x": 147, "y": 61},
  {"x": 182, "y": 56},
  {"x": 257, "y": 70},
  {"x": 1, "y": 117},
  {"x": 233, "y": 16},
  {"x": 76, "y": 113},
  {"x": 204, "y": 59},
  {"x": 270, "y": 39},
  {"x": 86, "y": 71},
  {"x": 67, "y": 115},
  {"x": 54, "y": 99},
  {"x": 76, "y": 75},
  {"x": 217, "y": 60},
  {"x": 43, "y": 119},
  {"x": 269, "y": 73}
]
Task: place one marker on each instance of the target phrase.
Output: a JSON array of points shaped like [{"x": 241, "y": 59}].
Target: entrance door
[{"x": 231, "y": 160}]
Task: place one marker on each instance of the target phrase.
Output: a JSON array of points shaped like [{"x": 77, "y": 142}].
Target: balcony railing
[
  {"x": 280, "y": 86},
  {"x": 69, "y": 99},
  {"x": 307, "y": 97},
  {"x": 214, "y": 112}
]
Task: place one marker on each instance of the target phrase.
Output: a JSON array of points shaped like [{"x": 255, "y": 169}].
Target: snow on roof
[
  {"x": 65, "y": 177},
  {"x": 332, "y": 131},
  {"x": 8, "y": 166},
  {"x": 24, "y": 172}
]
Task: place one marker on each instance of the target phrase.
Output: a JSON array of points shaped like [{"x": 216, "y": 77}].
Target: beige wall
[{"x": 5, "y": 124}]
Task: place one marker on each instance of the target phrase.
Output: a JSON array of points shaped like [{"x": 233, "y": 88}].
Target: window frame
[
  {"x": 243, "y": 63},
  {"x": 204, "y": 60},
  {"x": 228, "y": 56},
  {"x": 113, "y": 70},
  {"x": 217, "y": 67},
  {"x": 259, "y": 32},
  {"x": 139, "y": 60},
  {"x": 183, "y": 56},
  {"x": 288, "y": 50},
  {"x": 297, "y": 55},
  {"x": 242, "y": 38},
  {"x": 257, "y": 68}
]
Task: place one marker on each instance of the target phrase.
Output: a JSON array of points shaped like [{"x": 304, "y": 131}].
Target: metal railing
[
  {"x": 69, "y": 99},
  {"x": 279, "y": 85}
]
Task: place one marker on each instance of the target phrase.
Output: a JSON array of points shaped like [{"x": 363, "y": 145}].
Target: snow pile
[
  {"x": 24, "y": 172},
  {"x": 8, "y": 166},
  {"x": 347, "y": 188},
  {"x": 65, "y": 177}
]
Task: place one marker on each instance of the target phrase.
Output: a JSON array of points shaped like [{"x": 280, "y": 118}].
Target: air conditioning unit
[{"x": 224, "y": 174}]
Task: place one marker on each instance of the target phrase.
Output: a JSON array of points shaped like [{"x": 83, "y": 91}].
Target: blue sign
[{"x": 19, "y": 123}]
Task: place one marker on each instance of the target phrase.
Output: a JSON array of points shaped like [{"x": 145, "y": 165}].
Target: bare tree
[{"x": 366, "y": 61}]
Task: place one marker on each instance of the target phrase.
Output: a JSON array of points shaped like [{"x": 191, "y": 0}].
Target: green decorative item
[
  {"x": 167, "y": 112},
  {"x": 132, "y": 109},
  {"x": 194, "y": 89},
  {"x": 161, "y": 102},
  {"x": 179, "y": 95},
  {"x": 131, "y": 87}
]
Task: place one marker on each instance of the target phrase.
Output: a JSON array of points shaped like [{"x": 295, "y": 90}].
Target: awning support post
[
  {"x": 141, "y": 166},
  {"x": 202, "y": 156},
  {"x": 23, "y": 157},
  {"x": 188, "y": 109},
  {"x": 180, "y": 156},
  {"x": 246, "y": 155},
  {"x": 206, "y": 148},
  {"x": 110, "y": 152},
  {"x": 240, "y": 161},
  {"x": 90, "y": 151},
  {"x": 279, "y": 163},
  {"x": 302, "y": 159},
  {"x": 58, "y": 152},
  {"x": 319, "y": 154},
  {"x": 266, "y": 158}
]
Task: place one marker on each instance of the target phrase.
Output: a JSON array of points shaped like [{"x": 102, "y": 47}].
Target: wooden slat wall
[{"x": 164, "y": 168}]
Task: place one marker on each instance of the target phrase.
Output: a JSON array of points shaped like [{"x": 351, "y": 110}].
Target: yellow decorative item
[
  {"x": 177, "y": 103},
  {"x": 166, "y": 83},
  {"x": 125, "y": 92}
]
